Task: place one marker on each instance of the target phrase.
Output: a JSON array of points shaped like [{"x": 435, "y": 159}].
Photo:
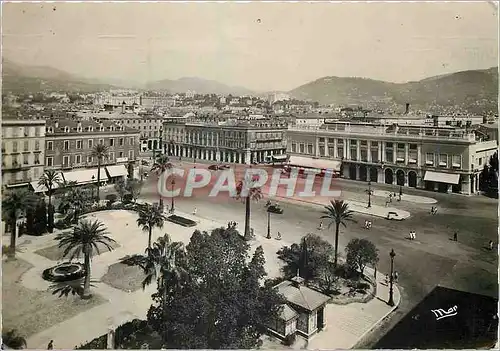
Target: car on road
[
  {"x": 392, "y": 215},
  {"x": 213, "y": 167},
  {"x": 275, "y": 208}
]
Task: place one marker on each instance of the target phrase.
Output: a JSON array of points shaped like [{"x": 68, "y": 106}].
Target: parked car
[
  {"x": 392, "y": 215},
  {"x": 275, "y": 208},
  {"x": 213, "y": 167}
]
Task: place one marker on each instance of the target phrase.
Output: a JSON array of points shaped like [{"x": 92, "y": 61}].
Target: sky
[{"x": 261, "y": 46}]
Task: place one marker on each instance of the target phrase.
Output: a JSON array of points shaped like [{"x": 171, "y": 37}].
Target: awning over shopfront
[
  {"x": 308, "y": 162},
  {"x": 116, "y": 171},
  {"x": 280, "y": 157},
  {"x": 85, "y": 176},
  {"x": 447, "y": 178},
  {"x": 39, "y": 189}
]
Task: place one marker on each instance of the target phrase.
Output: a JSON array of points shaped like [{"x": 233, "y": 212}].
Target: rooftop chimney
[
  {"x": 407, "y": 108},
  {"x": 123, "y": 107},
  {"x": 297, "y": 281}
]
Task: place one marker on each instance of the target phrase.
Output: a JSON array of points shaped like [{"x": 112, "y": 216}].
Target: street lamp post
[
  {"x": 268, "y": 224},
  {"x": 92, "y": 188},
  {"x": 400, "y": 190},
  {"x": 392, "y": 254},
  {"x": 369, "y": 191},
  {"x": 161, "y": 140},
  {"x": 173, "y": 184}
]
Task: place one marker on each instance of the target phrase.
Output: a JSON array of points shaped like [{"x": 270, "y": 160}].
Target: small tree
[
  {"x": 30, "y": 221},
  {"x": 134, "y": 187},
  {"x": 361, "y": 252},
  {"x": 121, "y": 189}
]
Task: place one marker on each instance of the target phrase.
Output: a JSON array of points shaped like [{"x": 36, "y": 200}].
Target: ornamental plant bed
[{"x": 185, "y": 222}]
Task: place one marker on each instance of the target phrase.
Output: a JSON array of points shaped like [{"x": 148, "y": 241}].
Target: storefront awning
[
  {"x": 447, "y": 178},
  {"x": 280, "y": 157},
  {"x": 308, "y": 162},
  {"x": 116, "y": 171},
  {"x": 40, "y": 188},
  {"x": 84, "y": 176}
]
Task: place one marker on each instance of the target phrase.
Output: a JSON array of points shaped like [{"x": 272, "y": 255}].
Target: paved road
[{"x": 432, "y": 259}]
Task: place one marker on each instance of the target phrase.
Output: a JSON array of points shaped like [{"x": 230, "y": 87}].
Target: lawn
[
  {"x": 124, "y": 277},
  {"x": 32, "y": 311},
  {"x": 54, "y": 253}
]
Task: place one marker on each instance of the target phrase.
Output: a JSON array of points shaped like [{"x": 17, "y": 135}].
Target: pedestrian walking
[
  {"x": 490, "y": 245},
  {"x": 414, "y": 235},
  {"x": 455, "y": 236},
  {"x": 50, "y": 346},
  {"x": 194, "y": 211},
  {"x": 320, "y": 225},
  {"x": 396, "y": 276},
  {"x": 279, "y": 236}
]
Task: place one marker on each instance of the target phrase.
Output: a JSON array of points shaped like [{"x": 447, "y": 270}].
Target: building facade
[
  {"x": 236, "y": 141},
  {"x": 436, "y": 158},
  {"x": 23, "y": 151},
  {"x": 69, "y": 145}
]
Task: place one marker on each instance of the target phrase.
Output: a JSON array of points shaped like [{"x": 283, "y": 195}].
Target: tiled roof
[
  {"x": 286, "y": 313},
  {"x": 302, "y": 296}
]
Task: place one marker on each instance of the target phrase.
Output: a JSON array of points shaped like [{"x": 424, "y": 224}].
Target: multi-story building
[
  {"x": 238, "y": 141},
  {"x": 436, "y": 158},
  {"x": 148, "y": 125},
  {"x": 69, "y": 144},
  {"x": 23, "y": 151}
]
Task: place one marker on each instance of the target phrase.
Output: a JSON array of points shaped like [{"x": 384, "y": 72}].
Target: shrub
[
  {"x": 127, "y": 198},
  {"x": 99, "y": 343},
  {"x": 362, "y": 286},
  {"x": 111, "y": 198},
  {"x": 40, "y": 220},
  {"x": 62, "y": 224},
  {"x": 289, "y": 340}
]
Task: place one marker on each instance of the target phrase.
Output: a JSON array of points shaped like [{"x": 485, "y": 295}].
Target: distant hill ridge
[{"x": 473, "y": 90}]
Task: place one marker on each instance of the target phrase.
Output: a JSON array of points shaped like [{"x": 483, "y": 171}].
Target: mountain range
[{"x": 474, "y": 90}]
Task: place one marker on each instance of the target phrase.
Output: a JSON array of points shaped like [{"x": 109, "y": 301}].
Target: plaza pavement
[{"x": 346, "y": 323}]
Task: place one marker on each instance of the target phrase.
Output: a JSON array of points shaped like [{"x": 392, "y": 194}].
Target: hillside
[
  {"x": 198, "y": 85},
  {"x": 30, "y": 79},
  {"x": 475, "y": 90}
]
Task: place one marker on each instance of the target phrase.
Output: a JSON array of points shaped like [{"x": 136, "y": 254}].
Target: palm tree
[
  {"x": 161, "y": 164},
  {"x": 150, "y": 216},
  {"x": 77, "y": 199},
  {"x": 101, "y": 152},
  {"x": 13, "y": 205},
  {"x": 49, "y": 179},
  {"x": 84, "y": 239},
  {"x": 254, "y": 193},
  {"x": 13, "y": 340},
  {"x": 338, "y": 213}
]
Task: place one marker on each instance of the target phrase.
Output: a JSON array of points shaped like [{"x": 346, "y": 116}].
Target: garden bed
[
  {"x": 124, "y": 277},
  {"x": 350, "y": 291},
  {"x": 55, "y": 253},
  {"x": 31, "y": 311},
  {"x": 185, "y": 222}
]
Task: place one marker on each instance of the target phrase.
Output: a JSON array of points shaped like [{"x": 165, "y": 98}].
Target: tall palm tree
[
  {"x": 14, "y": 204},
  {"x": 49, "y": 179},
  {"x": 85, "y": 239},
  {"x": 161, "y": 164},
  {"x": 254, "y": 194},
  {"x": 76, "y": 199},
  {"x": 338, "y": 213},
  {"x": 101, "y": 152},
  {"x": 150, "y": 216},
  {"x": 13, "y": 340}
]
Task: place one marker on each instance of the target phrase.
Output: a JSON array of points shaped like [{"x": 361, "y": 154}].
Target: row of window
[
  {"x": 354, "y": 143},
  {"x": 437, "y": 160},
  {"x": 76, "y": 160},
  {"x": 25, "y": 144},
  {"x": 80, "y": 129},
  {"x": 20, "y": 160},
  {"x": 23, "y": 176},
  {"x": 16, "y": 132},
  {"x": 90, "y": 143}
]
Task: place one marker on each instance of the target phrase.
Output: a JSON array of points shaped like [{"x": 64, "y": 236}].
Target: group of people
[
  {"x": 395, "y": 277},
  {"x": 434, "y": 210},
  {"x": 413, "y": 235},
  {"x": 368, "y": 224},
  {"x": 232, "y": 225}
]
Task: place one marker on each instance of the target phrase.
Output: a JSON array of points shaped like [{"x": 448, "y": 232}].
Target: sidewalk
[
  {"x": 406, "y": 197},
  {"x": 346, "y": 323}
]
